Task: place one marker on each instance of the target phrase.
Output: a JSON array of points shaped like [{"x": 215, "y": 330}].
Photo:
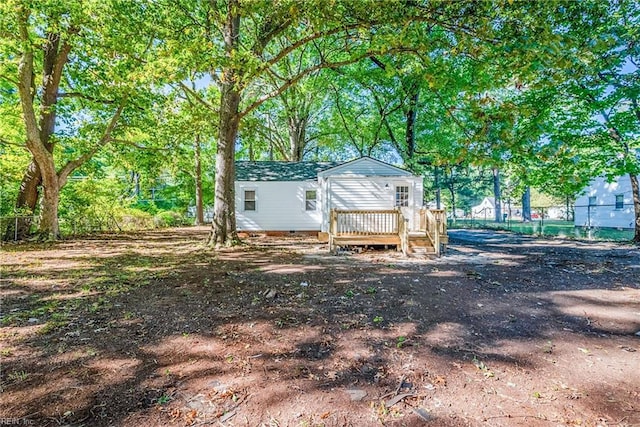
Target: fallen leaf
[
  {"x": 440, "y": 380},
  {"x": 190, "y": 417}
]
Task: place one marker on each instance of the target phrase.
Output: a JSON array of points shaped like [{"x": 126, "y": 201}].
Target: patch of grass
[
  {"x": 51, "y": 326},
  {"x": 18, "y": 376},
  {"x": 39, "y": 309},
  {"x": 100, "y": 304},
  {"x": 86, "y": 288},
  {"x": 488, "y": 373},
  {"x": 370, "y": 291},
  {"x": 163, "y": 400},
  {"x": 11, "y": 319}
]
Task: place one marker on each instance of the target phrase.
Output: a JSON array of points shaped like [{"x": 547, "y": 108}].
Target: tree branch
[
  {"x": 322, "y": 65},
  {"x": 342, "y": 118},
  {"x": 197, "y": 97},
  {"x": 636, "y": 109},
  {"x": 303, "y": 41},
  {"x": 25, "y": 84},
  {"x": 13, "y": 144},
  {"x": 462, "y": 127},
  {"x": 63, "y": 174},
  {"x": 9, "y": 79},
  {"x": 85, "y": 96}
]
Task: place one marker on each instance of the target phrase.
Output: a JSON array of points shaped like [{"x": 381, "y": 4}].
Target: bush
[
  {"x": 169, "y": 219},
  {"x": 134, "y": 219}
]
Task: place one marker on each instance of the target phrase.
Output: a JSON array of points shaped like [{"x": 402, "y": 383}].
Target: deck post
[
  {"x": 333, "y": 228},
  {"x": 436, "y": 237}
]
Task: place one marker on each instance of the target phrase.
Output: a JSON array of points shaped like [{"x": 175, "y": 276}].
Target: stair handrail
[
  {"x": 432, "y": 229},
  {"x": 403, "y": 233}
]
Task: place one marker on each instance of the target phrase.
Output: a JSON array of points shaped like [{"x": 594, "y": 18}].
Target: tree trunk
[
  {"x": 497, "y": 195},
  {"x": 34, "y": 142},
  {"x": 56, "y": 54},
  {"x": 224, "y": 221},
  {"x": 635, "y": 187},
  {"x": 411, "y": 115},
  {"x": 135, "y": 177},
  {"x": 452, "y": 191},
  {"x": 26, "y": 202},
  {"x": 49, "y": 227},
  {"x": 198, "y": 179},
  {"x": 297, "y": 134},
  {"x": 526, "y": 204}
]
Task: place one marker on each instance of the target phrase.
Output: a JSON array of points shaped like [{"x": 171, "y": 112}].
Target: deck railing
[
  {"x": 357, "y": 223},
  {"x": 363, "y": 223},
  {"x": 434, "y": 223}
]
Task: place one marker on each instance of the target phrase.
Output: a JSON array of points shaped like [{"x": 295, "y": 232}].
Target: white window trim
[
  {"x": 304, "y": 199},
  {"x": 395, "y": 193},
  {"x": 615, "y": 202},
  {"x": 255, "y": 198}
]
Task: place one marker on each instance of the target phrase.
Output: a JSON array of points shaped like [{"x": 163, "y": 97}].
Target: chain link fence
[
  {"x": 574, "y": 221},
  {"x": 13, "y": 228}
]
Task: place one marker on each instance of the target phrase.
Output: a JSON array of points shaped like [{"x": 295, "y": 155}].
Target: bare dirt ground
[{"x": 156, "y": 329}]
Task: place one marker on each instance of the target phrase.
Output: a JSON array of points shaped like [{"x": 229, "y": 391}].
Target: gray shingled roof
[{"x": 280, "y": 171}]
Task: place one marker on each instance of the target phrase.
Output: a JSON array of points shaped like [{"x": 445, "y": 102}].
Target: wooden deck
[{"x": 388, "y": 227}]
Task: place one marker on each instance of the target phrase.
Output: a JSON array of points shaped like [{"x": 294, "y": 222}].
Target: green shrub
[
  {"x": 169, "y": 219},
  {"x": 134, "y": 219}
]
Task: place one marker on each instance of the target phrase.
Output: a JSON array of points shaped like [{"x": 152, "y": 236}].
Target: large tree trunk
[
  {"x": 56, "y": 54},
  {"x": 26, "y": 202},
  {"x": 411, "y": 115},
  {"x": 451, "y": 185},
  {"x": 224, "y": 221},
  {"x": 49, "y": 226},
  {"x": 297, "y": 135},
  {"x": 526, "y": 204},
  {"x": 198, "y": 179},
  {"x": 497, "y": 195},
  {"x": 34, "y": 133},
  {"x": 635, "y": 187}
]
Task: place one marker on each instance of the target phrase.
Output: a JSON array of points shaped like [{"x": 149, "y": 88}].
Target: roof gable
[
  {"x": 365, "y": 166},
  {"x": 280, "y": 170}
]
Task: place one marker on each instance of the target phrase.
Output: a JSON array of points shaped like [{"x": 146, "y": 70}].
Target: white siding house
[
  {"x": 606, "y": 204},
  {"x": 486, "y": 209},
  {"x": 298, "y": 196}
]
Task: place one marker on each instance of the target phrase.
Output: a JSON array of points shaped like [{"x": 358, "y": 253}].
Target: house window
[
  {"x": 249, "y": 200},
  {"x": 310, "y": 200},
  {"x": 619, "y": 201},
  {"x": 402, "y": 195},
  {"x": 592, "y": 201}
]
